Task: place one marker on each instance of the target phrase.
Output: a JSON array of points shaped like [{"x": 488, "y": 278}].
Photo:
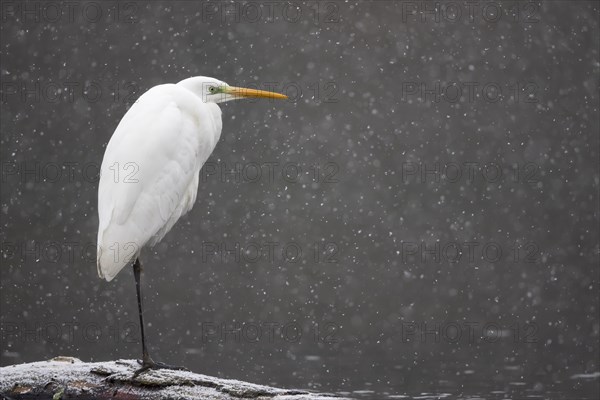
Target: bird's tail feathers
[{"x": 113, "y": 254}]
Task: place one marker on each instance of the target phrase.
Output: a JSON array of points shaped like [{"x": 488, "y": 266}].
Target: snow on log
[{"x": 70, "y": 378}]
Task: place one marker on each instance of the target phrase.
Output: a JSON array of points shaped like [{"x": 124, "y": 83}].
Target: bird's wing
[{"x": 149, "y": 172}]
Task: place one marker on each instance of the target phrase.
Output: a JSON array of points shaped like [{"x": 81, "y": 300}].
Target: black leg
[
  {"x": 147, "y": 362},
  {"x": 137, "y": 272}
]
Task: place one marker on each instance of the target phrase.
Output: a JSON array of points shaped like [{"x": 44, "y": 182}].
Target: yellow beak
[{"x": 243, "y": 92}]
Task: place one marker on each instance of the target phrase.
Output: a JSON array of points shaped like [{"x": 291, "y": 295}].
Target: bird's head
[{"x": 212, "y": 90}]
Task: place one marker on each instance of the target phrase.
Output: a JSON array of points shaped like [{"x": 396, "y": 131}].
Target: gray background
[{"x": 356, "y": 210}]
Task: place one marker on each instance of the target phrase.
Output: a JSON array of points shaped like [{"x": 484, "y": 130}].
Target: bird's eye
[{"x": 212, "y": 89}]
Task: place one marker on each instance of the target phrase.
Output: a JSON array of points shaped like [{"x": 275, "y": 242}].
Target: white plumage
[{"x": 149, "y": 174}]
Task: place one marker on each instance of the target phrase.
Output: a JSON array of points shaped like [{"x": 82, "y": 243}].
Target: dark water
[{"x": 420, "y": 219}]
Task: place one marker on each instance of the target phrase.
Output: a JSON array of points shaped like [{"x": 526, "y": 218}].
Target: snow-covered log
[{"x": 67, "y": 378}]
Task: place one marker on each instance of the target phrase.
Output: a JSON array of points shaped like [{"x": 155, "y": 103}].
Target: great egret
[{"x": 150, "y": 171}]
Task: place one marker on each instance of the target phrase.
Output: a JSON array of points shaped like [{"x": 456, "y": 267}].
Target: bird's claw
[{"x": 151, "y": 364}]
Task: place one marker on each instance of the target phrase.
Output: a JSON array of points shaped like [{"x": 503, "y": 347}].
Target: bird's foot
[{"x": 149, "y": 363}]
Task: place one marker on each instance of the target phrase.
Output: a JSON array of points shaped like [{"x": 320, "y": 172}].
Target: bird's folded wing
[{"x": 148, "y": 168}]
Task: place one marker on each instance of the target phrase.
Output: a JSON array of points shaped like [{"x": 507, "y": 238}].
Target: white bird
[{"x": 150, "y": 171}]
